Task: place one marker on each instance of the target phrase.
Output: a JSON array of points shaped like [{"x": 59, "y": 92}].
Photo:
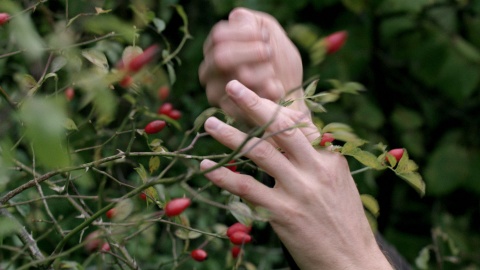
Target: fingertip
[
  {"x": 235, "y": 89},
  {"x": 207, "y": 164}
]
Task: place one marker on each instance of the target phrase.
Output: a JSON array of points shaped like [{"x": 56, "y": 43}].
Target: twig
[{"x": 25, "y": 237}]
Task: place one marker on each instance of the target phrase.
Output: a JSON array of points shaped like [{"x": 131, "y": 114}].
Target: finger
[
  {"x": 241, "y": 185},
  {"x": 225, "y": 32},
  {"x": 264, "y": 154},
  {"x": 294, "y": 141}
]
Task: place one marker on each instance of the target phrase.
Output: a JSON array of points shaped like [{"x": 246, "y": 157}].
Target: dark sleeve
[{"x": 395, "y": 259}]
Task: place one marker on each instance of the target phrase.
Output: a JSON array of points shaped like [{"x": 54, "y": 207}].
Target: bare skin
[
  {"x": 315, "y": 207},
  {"x": 253, "y": 48}
]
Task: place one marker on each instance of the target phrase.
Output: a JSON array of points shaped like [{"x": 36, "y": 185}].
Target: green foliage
[{"x": 63, "y": 163}]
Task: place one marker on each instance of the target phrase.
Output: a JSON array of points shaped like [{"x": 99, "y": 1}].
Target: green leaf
[
  {"x": 415, "y": 180},
  {"x": 241, "y": 212},
  {"x": 406, "y": 165},
  {"x": 364, "y": 157},
  {"x": 370, "y": 203},
  {"x": 96, "y": 57},
  {"x": 310, "y": 90},
  {"x": 185, "y": 234},
  {"x": 44, "y": 128},
  {"x": 315, "y": 107},
  {"x": 159, "y": 25},
  {"x": 335, "y": 127},
  {"x": 70, "y": 125},
  {"x": 123, "y": 209},
  {"x": 142, "y": 173},
  {"x": 200, "y": 120},
  {"x": 303, "y": 35},
  {"x": 58, "y": 63},
  {"x": 466, "y": 49},
  {"x": 423, "y": 257},
  {"x": 171, "y": 73},
  {"x": 153, "y": 164}
]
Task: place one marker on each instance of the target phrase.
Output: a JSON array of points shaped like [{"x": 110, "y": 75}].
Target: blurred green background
[{"x": 418, "y": 59}]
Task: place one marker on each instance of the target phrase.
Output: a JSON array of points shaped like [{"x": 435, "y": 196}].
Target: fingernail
[
  {"x": 212, "y": 123},
  {"x": 206, "y": 164},
  {"x": 235, "y": 89}
]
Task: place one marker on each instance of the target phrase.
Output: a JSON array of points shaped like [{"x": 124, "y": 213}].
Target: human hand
[
  {"x": 253, "y": 48},
  {"x": 314, "y": 207}
]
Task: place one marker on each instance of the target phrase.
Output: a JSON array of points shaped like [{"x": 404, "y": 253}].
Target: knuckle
[
  {"x": 283, "y": 125},
  {"x": 263, "y": 151},
  {"x": 244, "y": 188},
  {"x": 220, "y": 58}
]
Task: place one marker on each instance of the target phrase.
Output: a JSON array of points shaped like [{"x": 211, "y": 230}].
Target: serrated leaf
[
  {"x": 405, "y": 164},
  {"x": 364, "y": 157},
  {"x": 185, "y": 234},
  {"x": 370, "y": 203},
  {"x": 415, "y": 180},
  {"x": 153, "y": 164},
  {"x": 123, "y": 209},
  {"x": 310, "y": 90},
  {"x": 142, "y": 173},
  {"x": 152, "y": 195},
  {"x": 96, "y": 57},
  {"x": 58, "y": 63},
  {"x": 200, "y": 120},
  {"x": 241, "y": 212},
  {"x": 315, "y": 107}
]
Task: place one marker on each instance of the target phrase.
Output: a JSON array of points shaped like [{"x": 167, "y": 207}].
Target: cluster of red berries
[
  {"x": 166, "y": 109},
  {"x": 238, "y": 233}
]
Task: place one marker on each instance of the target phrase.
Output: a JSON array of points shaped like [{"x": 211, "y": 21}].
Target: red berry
[
  {"x": 326, "y": 137},
  {"x": 155, "y": 126},
  {"x": 105, "y": 247},
  {"x": 126, "y": 81},
  {"x": 232, "y": 168},
  {"x": 235, "y": 251},
  {"x": 237, "y": 227},
  {"x": 335, "y": 41},
  {"x": 143, "y": 196},
  {"x": 176, "y": 206},
  {"x": 397, "y": 153},
  {"x": 92, "y": 242},
  {"x": 240, "y": 238},
  {"x": 199, "y": 255},
  {"x": 4, "y": 18},
  {"x": 111, "y": 213},
  {"x": 175, "y": 114},
  {"x": 165, "y": 108},
  {"x": 144, "y": 58},
  {"x": 69, "y": 93},
  {"x": 163, "y": 92}
]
